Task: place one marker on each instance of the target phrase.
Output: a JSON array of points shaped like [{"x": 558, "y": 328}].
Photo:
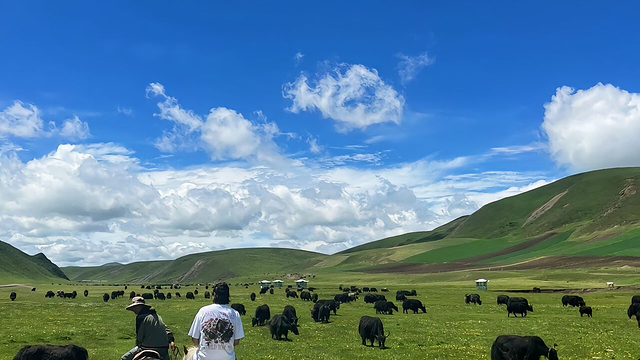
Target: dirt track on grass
[
  {"x": 510, "y": 250},
  {"x": 549, "y": 262}
]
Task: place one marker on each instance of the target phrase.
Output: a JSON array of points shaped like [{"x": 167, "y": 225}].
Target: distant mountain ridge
[
  {"x": 17, "y": 266},
  {"x": 203, "y": 267}
]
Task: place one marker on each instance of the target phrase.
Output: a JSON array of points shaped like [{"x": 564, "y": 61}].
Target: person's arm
[
  {"x": 142, "y": 331},
  {"x": 195, "y": 330},
  {"x": 170, "y": 337},
  {"x": 238, "y": 333}
]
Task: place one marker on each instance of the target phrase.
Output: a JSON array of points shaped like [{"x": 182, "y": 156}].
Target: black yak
[
  {"x": 371, "y": 328},
  {"x": 514, "y": 347},
  {"x": 280, "y": 326},
  {"x": 52, "y": 352}
]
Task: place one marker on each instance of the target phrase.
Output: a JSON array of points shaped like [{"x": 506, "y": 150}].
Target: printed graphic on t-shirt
[{"x": 217, "y": 332}]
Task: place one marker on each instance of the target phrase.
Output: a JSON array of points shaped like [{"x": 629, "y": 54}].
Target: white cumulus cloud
[
  {"x": 24, "y": 121},
  {"x": 594, "y": 128},
  {"x": 352, "y": 95},
  {"x": 225, "y": 134}
]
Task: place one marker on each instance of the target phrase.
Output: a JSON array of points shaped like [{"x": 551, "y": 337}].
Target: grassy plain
[{"x": 449, "y": 330}]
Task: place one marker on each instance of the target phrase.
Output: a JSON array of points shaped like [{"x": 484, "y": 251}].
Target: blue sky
[{"x": 154, "y": 129}]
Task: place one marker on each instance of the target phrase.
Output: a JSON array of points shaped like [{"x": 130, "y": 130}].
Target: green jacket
[{"x": 151, "y": 332}]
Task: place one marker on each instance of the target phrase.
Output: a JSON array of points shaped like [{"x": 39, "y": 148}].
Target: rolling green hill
[
  {"x": 204, "y": 267},
  {"x": 410, "y": 238},
  {"x": 18, "y": 267},
  {"x": 593, "y": 215},
  {"x": 587, "y": 202}
]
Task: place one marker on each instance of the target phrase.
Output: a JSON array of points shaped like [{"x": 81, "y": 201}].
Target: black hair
[{"x": 221, "y": 293}]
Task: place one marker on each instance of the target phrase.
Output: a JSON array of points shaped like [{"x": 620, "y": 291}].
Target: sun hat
[{"x": 137, "y": 300}]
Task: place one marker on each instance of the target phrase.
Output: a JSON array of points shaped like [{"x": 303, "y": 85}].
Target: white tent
[
  {"x": 277, "y": 283},
  {"x": 302, "y": 283},
  {"x": 481, "y": 284}
]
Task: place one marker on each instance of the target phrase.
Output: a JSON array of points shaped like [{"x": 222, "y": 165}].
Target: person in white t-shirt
[{"x": 217, "y": 328}]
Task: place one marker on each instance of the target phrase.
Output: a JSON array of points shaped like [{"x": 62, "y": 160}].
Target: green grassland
[{"x": 449, "y": 330}]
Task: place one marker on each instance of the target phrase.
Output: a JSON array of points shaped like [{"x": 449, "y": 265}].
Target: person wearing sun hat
[
  {"x": 217, "y": 328},
  {"x": 151, "y": 332}
]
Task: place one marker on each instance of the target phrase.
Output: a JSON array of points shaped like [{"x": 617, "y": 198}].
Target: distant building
[
  {"x": 301, "y": 284},
  {"x": 481, "y": 284},
  {"x": 277, "y": 283},
  {"x": 264, "y": 284}
]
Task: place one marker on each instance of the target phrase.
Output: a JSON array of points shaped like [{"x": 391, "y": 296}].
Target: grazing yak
[
  {"x": 168, "y": 295},
  {"x": 635, "y": 299},
  {"x": 324, "y": 313},
  {"x": 131, "y": 295},
  {"x": 50, "y": 294},
  {"x": 472, "y": 298},
  {"x": 586, "y": 310},
  {"x": 239, "y": 308},
  {"x": 105, "y": 297},
  {"x": 518, "y": 305},
  {"x": 178, "y": 295},
  {"x": 86, "y": 293},
  {"x": 280, "y": 325},
  {"x": 292, "y": 294},
  {"x": 385, "y": 307},
  {"x": 414, "y": 305},
  {"x": 52, "y": 352},
  {"x": 633, "y": 310},
  {"x": 401, "y": 297},
  {"x": 373, "y": 289},
  {"x": 372, "y": 298},
  {"x": 147, "y": 296},
  {"x": 33, "y": 289},
  {"x": 514, "y": 347},
  {"x": 13, "y": 296},
  {"x": 271, "y": 291},
  {"x": 573, "y": 300},
  {"x": 322, "y": 309},
  {"x": 305, "y": 296},
  {"x": 314, "y": 298},
  {"x": 502, "y": 299},
  {"x": 190, "y": 296},
  {"x": 384, "y": 290},
  {"x": 264, "y": 290},
  {"x": 407, "y": 292},
  {"x": 371, "y": 328},
  {"x": 207, "y": 295},
  {"x": 263, "y": 314},
  {"x": 290, "y": 312},
  {"x": 253, "y": 296},
  {"x": 333, "y": 305},
  {"x": 344, "y": 298},
  {"x": 365, "y": 289},
  {"x": 195, "y": 292},
  {"x": 160, "y": 296}
]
